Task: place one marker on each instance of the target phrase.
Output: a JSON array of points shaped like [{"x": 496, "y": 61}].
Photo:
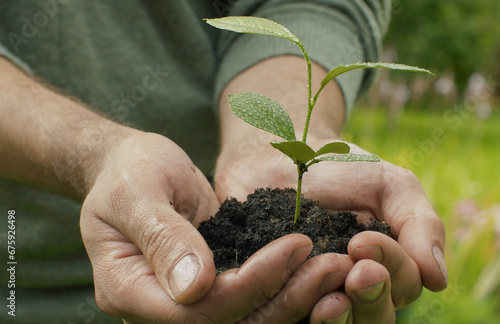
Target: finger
[
  {"x": 262, "y": 276},
  {"x": 173, "y": 249},
  {"x": 368, "y": 285},
  {"x": 334, "y": 308},
  {"x": 317, "y": 277},
  {"x": 133, "y": 291},
  {"x": 238, "y": 292},
  {"x": 177, "y": 254},
  {"x": 405, "y": 276},
  {"x": 417, "y": 226},
  {"x": 198, "y": 202},
  {"x": 400, "y": 201}
]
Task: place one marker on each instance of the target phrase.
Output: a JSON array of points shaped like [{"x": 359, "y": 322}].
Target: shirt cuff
[{"x": 4, "y": 52}]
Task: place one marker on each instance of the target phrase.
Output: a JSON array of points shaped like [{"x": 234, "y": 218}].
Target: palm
[{"x": 336, "y": 185}]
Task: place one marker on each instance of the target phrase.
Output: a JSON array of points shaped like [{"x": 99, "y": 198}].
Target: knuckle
[
  {"x": 115, "y": 294},
  {"x": 109, "y": 290},
  {"x": 405, "y": 176},
  {"x": 168, "y": 239},
  {"x": 121, "y": 190},
  {"x": 260, "y": 293},
  {"x": 438, "y": 226},
  {"x": 105, "y": 302},
  {"x": 409, "y": 296},
  {"x": 294, "y": 313},
  {"x": 154, "y": 238}
]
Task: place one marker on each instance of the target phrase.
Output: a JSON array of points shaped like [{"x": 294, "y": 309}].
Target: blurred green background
[{"x": 447, "y": 131}]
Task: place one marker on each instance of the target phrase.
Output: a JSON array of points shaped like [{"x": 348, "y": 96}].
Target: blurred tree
[{"x": 443, "y": 35}]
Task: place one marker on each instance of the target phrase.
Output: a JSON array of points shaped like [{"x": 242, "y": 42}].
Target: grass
[{"x": 456, "y": 157}]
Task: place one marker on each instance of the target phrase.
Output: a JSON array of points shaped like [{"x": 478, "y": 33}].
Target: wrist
[
  {"x": 65, "y": 145},
  {"x": 103, "y": 144},
  {"x": 283, "y": 79}
]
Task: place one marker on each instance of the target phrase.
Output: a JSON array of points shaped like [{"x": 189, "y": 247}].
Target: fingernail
[
  {"x": 332, "y": 282},
  {"x": 369, "y": 252},
  {"x": 298, "y": 257},
  {"x": 371, "y": 293},
  {"x": 439, "y": 257},
  {"x": 183, "y": 274},
  {"x": 342, "y": 319}
]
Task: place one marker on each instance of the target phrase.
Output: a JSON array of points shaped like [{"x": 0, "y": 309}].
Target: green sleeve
[
  {"x": 334, "y": 32},
  {"x": 4, "y": 52}
]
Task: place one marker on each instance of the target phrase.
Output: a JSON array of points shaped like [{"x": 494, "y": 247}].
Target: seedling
[{"x": 267, "y": 114}]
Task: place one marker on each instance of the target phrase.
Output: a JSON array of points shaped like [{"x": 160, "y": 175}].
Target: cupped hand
[
  {"x": 150, "y": 263},
  {"x": 392, "y": 272}
]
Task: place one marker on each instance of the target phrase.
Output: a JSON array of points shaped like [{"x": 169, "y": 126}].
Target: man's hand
[
  {"x": 388, "y": 274},
  {"x": 137, "y": 221}
]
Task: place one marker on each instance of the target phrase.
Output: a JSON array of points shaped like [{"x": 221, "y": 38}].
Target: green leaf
[
  {"x": 351, "y": 157},
  {"x": 392, "y": 66},
  {"x": 264, "y": 113},
  {"x": 335, "y": 147},
  {"x": 298, "y": 151},
  {"x": 253, "y": 25}
]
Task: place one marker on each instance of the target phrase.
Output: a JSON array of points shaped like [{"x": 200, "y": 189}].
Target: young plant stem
[
  {"x": 310, "y": 104},
  {"x": 300, "y": 171}
]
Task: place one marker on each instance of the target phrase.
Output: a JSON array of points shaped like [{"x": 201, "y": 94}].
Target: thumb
[
  {"x": 179, "y": 256},
  {"x": 150, "y": 259}
]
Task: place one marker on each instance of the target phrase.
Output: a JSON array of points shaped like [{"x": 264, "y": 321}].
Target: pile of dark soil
[{"x": 239, "y": 229}]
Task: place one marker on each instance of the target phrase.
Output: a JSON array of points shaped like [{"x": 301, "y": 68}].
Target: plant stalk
[
  {"x": 299, "y": 197},
  {"x": 310, "y": 104}
]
